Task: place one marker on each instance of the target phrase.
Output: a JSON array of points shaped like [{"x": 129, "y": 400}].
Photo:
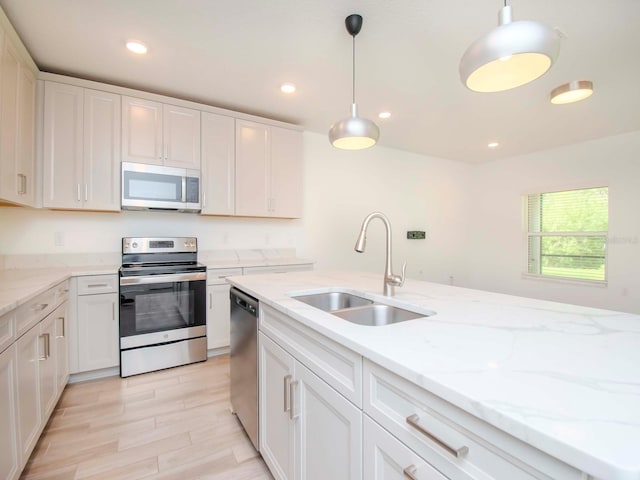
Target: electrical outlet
[
  {"x": 416, "y": 235},
  {"x": 58, "y": 239}
]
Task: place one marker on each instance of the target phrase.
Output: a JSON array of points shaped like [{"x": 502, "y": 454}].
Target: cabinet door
[
  {"x": 386, "y": 458},
  {"x": 62, "y": 345},
  {"x": 29, "y": 413},
  {"x": 141, "y": 131},
  {"x": 98, "y": 332},
  {"x": 276, "y": 425},
  {"x": 218, "y": 166},
  {"x": 286, "y": 173},
  {"x": 218, "y": 309},
  {"x": 102, "y": 118},
  {"x": 26, "y": 135},
  {"x": 63, "y": 179},
  {"x": 328, "y": 440},
  {"x": 9, "y": 180},
  {"x": 181, "y": 137},
  {"x": 47, "y": 367},
  {"x": 252, "y": 168},
  {"x": 9, "y": 452}
]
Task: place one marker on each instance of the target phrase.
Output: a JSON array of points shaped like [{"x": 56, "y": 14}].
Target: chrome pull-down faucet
[{"x": 390, "y": 280}]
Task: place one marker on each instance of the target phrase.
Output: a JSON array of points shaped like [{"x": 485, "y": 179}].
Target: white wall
[
  {"x": 497, "y": 241},
  {"x": 30, "y": 231},
  {"x": 415, "y": 192},
  {"x": 472, "y": 216}
]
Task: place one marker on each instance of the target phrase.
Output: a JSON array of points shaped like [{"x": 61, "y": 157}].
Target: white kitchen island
[{"x": 507, "y": 373}]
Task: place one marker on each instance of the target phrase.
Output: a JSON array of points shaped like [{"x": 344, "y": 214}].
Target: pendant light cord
[{"x": 353, "y": 76}]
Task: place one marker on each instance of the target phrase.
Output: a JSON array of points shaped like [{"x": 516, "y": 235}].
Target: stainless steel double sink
[{"x": 359, "y": 310}]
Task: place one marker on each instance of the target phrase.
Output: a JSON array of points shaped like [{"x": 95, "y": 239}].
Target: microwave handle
[{"x": 184, "y": 189}]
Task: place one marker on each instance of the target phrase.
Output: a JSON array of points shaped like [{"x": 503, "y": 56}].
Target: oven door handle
[{"x": 172, "y": 278}]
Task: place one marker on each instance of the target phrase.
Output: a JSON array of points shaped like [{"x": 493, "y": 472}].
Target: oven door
[{"x": 158, "y": 309}]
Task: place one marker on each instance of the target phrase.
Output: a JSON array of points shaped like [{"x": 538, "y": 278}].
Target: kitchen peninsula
[{"x": 507, "y": 387}]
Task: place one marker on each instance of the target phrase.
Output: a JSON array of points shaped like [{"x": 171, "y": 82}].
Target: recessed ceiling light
[
  {"x": 571, "y": 92},
  {"x": 136, "y": 47},
  {"x": 493, "y": 145},
  {"x": 384, "y": 114},
  {"x": 287, "y": 88}
]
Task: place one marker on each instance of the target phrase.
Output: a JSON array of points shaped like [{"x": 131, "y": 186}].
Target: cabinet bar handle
[
  {"x": 204, "y": 199},
  {"x": 40, "y": 307},
  {"x": 410, "y": 471},
  {"x": 23, "y": 184},
  {"x": 78, "y": 191},
  {"x": 456, "y": 452},
  {"x": 113, "y": 312},
  {"x": 63, "y": 328},
  {"x": 97, "y": 285},
  {"x": 86, "y": 192},
  {"x": 42, "y": 358},
  {"x": 210, "y": 300},
  {"x": 47, "y": 351},
  {"x": 291, "y": 398},
  {"x": 287, "y": 389}
]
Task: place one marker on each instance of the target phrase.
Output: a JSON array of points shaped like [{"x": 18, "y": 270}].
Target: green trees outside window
[{"x": 567, "y": 233}]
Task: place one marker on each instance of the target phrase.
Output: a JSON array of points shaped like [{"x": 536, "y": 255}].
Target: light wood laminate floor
[{"x": 171, "y": 424}]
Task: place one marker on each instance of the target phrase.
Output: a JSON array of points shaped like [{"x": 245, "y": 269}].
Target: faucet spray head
[{"x": 361, "y": 242}]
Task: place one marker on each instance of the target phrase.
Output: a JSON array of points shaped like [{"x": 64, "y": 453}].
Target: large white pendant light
[
  {"x": 512, "y": 54},
  {"x": 354, "y": 132}
]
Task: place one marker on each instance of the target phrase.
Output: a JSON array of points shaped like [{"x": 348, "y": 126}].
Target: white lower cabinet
[
  {"x": 274, "y": 397},
  {"x": 29, "y": 412},
  {"x": 48, "y": 364},
  {"x": 97, "y": 323},
  {"x": 328, "y": 441},
  {"x": 386, "y": 458},
  {"x": 307, "y": 429},
  {"x": 61, "y": 318},
  {"x": 327, "y": 413},
  {"x": 9, "y": 452},
  {"x": 218, "y": 306}
]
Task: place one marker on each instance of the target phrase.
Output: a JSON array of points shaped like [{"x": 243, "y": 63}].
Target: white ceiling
[{"x": 235, "y": 54}]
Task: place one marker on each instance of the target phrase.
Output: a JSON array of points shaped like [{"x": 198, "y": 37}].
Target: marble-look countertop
[
  {"x": 562, "y": 378},
  {"x": 21, "y": 285}
]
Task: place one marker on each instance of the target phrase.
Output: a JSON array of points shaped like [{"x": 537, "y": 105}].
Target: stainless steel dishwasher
[{"x": 244, "y": 361}]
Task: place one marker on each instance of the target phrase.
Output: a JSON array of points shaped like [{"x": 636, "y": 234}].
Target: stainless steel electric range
[{"x": 163, "y": 291}]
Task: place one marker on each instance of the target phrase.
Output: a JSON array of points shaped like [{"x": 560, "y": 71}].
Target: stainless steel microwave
[{"x": 154, "y": 187}]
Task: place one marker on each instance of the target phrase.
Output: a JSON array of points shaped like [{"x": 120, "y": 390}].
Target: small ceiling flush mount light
[
  {"x": 493, "y": 145},
  {"x": 384, "y": 115},
  {"x": 287, "y": 88},
  {"x": 510, "y": 55},
  {"x": 136, "y": 47},
  {"x": 572, "y": 92},
  {"x": 354, "y": 133}
]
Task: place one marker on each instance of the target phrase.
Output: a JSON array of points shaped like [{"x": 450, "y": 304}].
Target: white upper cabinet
[
  {"x": 268, "y": 170},
  {"x": 181, "y": 137},
  {"x": 101, "y": 150},
  {"x": 160, "y": 134},
  {"x": 218, "y": 164},
  {"x": 81, "y": 148},
  {"x": 17, "y": 126}
]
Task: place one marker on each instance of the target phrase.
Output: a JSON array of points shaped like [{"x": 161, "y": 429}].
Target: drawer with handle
[
  {"x": 386, "y": 458},
  {"x": 456, "y": 443},
  {"x": 30, "y": 313},
  {"x": 95, "y": 284},
  {"x": 217, "y": 276}
]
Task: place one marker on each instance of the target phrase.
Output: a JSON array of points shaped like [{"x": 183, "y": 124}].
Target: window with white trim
[{"x": 567, "y": 234}]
